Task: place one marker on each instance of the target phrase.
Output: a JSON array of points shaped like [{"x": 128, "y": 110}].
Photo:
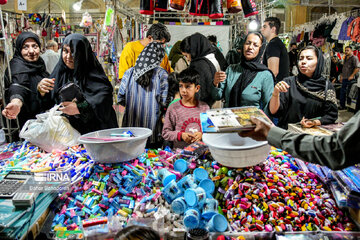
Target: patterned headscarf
[{"x": 149, "y": 58}]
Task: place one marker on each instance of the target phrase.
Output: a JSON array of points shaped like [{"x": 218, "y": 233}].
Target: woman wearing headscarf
[
  {"x": 178, "y": 61},
  {"x": 78, "y": 65},
  {"x": 306, "y": 96},
  {"x": 201, "y": 54},
  {"x": 234, "y": 55},
  {"x": 249, "y": 83},
  {"x": 143, "y": 91},
  {"x": 27, "y": 70}
]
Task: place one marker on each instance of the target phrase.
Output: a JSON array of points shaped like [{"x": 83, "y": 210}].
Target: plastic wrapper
[
  {"x": 233, "y": 6},
  {"x": 195, "y": 149},
  {"x": 86, "y": 20},
  {"x": 50, "y": 131},
  {"x": 177, "y": 4}
]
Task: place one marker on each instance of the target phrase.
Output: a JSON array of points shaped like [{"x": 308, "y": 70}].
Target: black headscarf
[
  {"x": 250, "y": 69},
  {"x": 149, "y": 58},
  {"x": 175, "y": 54},
  {"x": 200, "y": 46},
  {"x": 89, "y": 75},
  {"x": 25, "y": 77},
  {"x": 317, "y": 82},
  {"x": 18, "y": 64}
]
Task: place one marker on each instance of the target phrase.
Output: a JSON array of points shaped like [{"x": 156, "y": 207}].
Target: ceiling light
[
  {"x": 253, "y": 25},
  {"x": 77, "y": 5}
]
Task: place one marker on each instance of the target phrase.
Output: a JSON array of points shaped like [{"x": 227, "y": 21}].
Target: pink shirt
[{"x": 179, "y": 119}]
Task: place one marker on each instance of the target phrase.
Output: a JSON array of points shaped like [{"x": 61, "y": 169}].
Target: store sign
[{"x": 22, "y": 5}]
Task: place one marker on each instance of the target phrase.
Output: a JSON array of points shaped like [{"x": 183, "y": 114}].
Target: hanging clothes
[
  {"x": 344, "y": 28},
  {"x": 353, "y": 30}
]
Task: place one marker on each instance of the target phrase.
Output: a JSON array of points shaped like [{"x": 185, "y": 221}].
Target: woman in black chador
[
  {"x": 92, "y": 110},
  {"x": 27, "y": 70},
  {"x": 306, "y": 96}
]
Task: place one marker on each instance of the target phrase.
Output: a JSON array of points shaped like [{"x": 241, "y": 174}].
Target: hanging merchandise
[
  {"x": 249, "y": 7},
  {"x": 35, "y": 18},
  {"x": 161, "y": 5},
  {"x": 86, "y": 20},
  {"x": 233, "y": 6},
  {"x": 216, "y": 10},
  {"x": 44, "y": 33},
  {"x": 177, "y": 4},
  {"x": 109, "y": 16},
  {"x": 146, "y": 7},
  {"x": 199, "y": 7}
]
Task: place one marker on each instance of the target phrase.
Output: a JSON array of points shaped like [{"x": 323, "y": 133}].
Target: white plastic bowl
[
  {"x": 119, "y": 150},
  {"x": 231, "y": 150}
]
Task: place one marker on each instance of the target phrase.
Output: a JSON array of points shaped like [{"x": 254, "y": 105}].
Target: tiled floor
[{"x": 344, "y": 116}]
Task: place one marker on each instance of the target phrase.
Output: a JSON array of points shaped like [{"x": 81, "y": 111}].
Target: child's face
[{"x": 188, "y": 90}]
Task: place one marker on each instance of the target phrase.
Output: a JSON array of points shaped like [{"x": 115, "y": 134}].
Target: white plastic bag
[{"x": 50, "y": 131}]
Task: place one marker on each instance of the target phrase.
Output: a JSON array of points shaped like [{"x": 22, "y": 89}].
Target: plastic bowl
[
  {"x": 119, "y": 150},
  {"x": 231, "y": 150}
]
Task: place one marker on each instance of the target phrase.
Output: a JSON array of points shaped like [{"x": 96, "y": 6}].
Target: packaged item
[
  {"x": 230, "y": 119},
  {"x": 177, "y": 4},
  {"x": 233, "y": 6}
]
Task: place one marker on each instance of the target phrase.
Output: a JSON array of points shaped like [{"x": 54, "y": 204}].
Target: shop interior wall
[{"x": 179, "y": 32}]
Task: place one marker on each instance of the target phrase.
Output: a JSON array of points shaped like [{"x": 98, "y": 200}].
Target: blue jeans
[{"x": 344, "y": 92}]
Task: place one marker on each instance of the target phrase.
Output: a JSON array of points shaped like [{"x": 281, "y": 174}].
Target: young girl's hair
[
  {"x": 137, "y": 233},
  {"x": 189, "y": 75},
  {"x": 145, "y": 79}
]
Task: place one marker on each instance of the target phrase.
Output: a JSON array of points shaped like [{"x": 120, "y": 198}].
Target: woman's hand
[
  {"x": 69, "y": 108},
  {"x": 307, "y": 123},
  {"x": 219, "y": 77},
  {"x": 280, "y": 87},
  {"x": 12, "y": 109},
  {"x": 45, "y": 85}
]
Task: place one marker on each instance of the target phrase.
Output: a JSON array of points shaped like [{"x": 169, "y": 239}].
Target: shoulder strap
[{"x": 326, "y": 88}]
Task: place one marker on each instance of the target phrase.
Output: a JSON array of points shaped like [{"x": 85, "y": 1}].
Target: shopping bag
[{"x": 50, "y": 131}]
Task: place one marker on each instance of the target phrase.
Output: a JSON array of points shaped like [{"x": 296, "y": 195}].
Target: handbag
[{"x": 71, "y": 92}]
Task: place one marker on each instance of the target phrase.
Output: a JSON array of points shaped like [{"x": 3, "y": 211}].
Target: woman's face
[
  {"x": 30, "y": 50},
  {"x": 252, "y": 46},
  {"x": 187, "y": 55},
  {"x": 67, "y": 57},
  {"x": 307, "y": 62}
]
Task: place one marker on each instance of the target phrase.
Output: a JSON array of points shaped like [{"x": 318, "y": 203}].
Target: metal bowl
[
  {"x": 231, "y": 150},
  {"x": 117, "y": 150}
]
